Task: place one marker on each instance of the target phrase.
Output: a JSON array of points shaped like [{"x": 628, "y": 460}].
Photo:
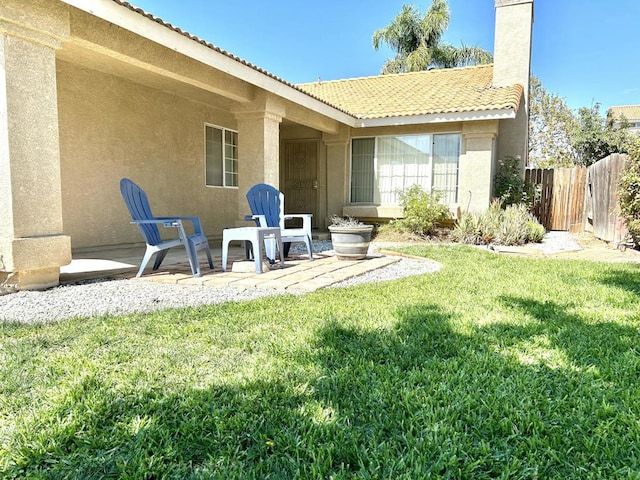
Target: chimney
[
  {"x": 512, "y": 65},
  {"x": 512, "y": 43}
]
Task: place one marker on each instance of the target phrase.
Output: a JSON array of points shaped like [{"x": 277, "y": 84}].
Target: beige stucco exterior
[
  {"x": 512, "y": 65},
  {"x": 32, "y": 243},
  {"x": 111, "y": 127},
  {"x": 477, "y": 166},
  {"x": 93, "y": 93},
  {"x": 630, "y": 114}
]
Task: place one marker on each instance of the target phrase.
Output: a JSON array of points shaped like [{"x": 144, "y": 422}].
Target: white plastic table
[{"x": 255, "y": 235}]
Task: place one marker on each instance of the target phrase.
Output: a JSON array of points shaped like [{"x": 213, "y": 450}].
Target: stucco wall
[
  {"x": 511, "y": 142},
  {"x": 110, "y": 128},
  {"x": 476, "y": 174},
  {"x": 476, "y": 168},
  {"x": 477, "y": 165},
  {"x": 451, "y": 127}
]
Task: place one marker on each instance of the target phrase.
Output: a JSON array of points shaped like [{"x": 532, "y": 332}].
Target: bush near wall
[
  {"x": 422, "y": 213},
  {"x": 629, "y": 193},
  {"x": 513, "y": 225},
  {"x": 509, "y": 185}
]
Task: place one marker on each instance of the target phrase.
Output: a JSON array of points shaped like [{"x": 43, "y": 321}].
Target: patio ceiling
[
  {"x": 150, "y": 76},
  {"x": 102, "y": 46}
]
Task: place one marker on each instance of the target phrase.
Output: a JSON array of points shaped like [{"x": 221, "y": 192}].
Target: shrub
[
  {"x": 422, "y": 211},
  {"x": 513, "y": 225},
  {"x": 468, "y": 230},
  {"x": 518, "y": 226},
  {"x": 509, "y": 185},
  {"x": 536, "y": 231},
  {"x": 629, "y": 193}
]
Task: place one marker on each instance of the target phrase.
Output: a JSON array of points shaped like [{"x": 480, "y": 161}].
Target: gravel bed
[
  {"x": 554, "y": 242},
  {"x": 113, "y": 297},
  {"x": 406, "y": 267},
  {"x": 120, "y": 297}
]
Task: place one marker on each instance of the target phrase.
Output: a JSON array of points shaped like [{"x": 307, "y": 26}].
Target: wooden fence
[
  {"x": 559, "y": 199},
  {"x": 602, "y": 212}
]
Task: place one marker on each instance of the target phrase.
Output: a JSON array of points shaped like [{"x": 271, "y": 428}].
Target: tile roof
[
  {"x": 631, "y": 112},
  {"x": 159, "y": 21},
  {"x": 438, "y": 91},
  {"x": 451, "y": 90}
]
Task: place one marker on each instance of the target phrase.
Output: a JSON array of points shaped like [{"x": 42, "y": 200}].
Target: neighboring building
[
  {"x": 96, "y": 90},
  {"x": 631, "y": 113}
]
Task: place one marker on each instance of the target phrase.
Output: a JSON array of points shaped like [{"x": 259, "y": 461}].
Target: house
[
  {"x": 96, "y": 90},
  {"x": 631, "y": 113}
]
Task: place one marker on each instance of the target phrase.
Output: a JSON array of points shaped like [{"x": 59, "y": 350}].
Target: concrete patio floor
[{"x": 297, "y": 275}]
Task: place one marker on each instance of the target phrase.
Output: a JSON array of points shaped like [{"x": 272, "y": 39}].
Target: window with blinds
[{"x": 382, "y": 167}]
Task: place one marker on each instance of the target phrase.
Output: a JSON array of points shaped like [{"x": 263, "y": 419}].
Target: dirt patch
[
  {"x": 587, "y": 240},
  {"x": 597, "y": 250},
  {"x": 389, "y": 235}
]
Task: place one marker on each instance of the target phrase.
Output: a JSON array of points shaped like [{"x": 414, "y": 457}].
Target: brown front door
[{"x": 300, "y": 186}]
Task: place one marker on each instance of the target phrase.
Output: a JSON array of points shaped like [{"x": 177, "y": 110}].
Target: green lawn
[{"x": 494, "y": 367}]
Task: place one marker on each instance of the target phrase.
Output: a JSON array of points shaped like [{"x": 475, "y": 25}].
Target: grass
[{"x": 494, "y": 367}]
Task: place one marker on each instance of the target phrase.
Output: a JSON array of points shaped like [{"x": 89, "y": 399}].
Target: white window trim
[
  {"x": 224, "y": 177},
  {"x": 375, "y": 164}
]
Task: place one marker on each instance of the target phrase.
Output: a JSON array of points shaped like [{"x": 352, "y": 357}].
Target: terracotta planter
[{"x": 351, "y": 243}]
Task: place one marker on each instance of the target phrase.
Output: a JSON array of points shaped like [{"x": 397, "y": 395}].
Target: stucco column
[
  {"x": 338, "y": 171},
  {"x": 258, "y": 151},
  {"x": 32, "y": 246},
  {"x": 476, "y": 171}
]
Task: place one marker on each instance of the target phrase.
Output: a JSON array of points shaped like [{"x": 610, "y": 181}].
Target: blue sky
[{"x": 585, "y": 51}]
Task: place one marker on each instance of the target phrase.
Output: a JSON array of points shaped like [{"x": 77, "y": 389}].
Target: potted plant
[{"x": 350, "y": 237}]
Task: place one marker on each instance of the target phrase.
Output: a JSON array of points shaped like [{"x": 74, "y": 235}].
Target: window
[
  {"x": 221, "y": 157},
  {"x": 446, "y": 156},
  {"x": 362, "y": 169},
  {"x": 381, "y": 167}
]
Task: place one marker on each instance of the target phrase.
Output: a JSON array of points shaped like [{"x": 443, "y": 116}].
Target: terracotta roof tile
[
  {"x": 452, "y": 90},
  {"x": 631, "y": 112},
  {"x": 158, "y": 20}
]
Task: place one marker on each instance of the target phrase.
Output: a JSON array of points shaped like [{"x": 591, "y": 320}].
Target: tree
[
  {"x": 595, "y": 137},
  {"x": 558, "y": 137},
  {"x": 551, "y": 126},
  {"x": 418, "y": 42},
  {"x": 629, "y": 192}
]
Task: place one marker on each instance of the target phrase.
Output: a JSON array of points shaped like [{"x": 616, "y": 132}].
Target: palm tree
[{"x": 418, "y": 41}]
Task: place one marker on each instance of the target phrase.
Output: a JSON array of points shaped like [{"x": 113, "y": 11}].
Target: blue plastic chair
[
  {"x": 138, "y": 205},
  {"x": 267, "y": 210}
]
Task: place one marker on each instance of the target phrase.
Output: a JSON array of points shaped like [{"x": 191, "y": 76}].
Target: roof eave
[
  {"x": 495, "y": 114},
  {"x": 137, "y": 23}
]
